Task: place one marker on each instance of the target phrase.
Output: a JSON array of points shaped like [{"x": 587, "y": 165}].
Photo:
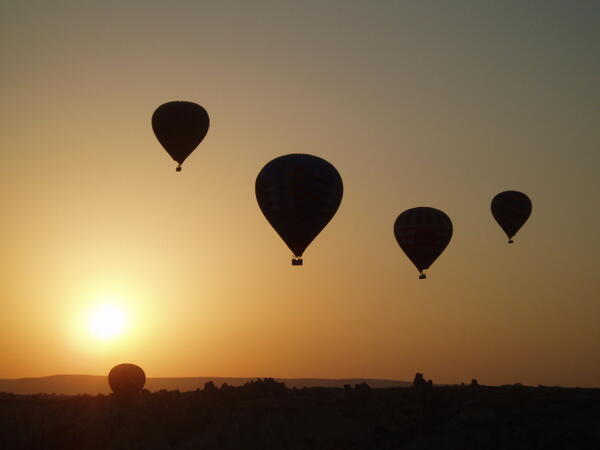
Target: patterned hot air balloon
[
  {"x": 511, "y": 209},
  {"x": 179, "y": 127},
  {"x": 126, "y": 379},
  {"x": 423, "y": 233},
  {"x": 299, "y": 194}
]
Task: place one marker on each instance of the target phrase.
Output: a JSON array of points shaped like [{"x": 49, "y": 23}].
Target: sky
[{"x": 432, "y": 103}]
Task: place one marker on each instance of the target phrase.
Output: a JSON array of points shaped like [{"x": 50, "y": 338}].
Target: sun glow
[{"x": 106, "y": 322}]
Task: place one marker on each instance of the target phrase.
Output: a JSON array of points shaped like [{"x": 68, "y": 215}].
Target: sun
[{"x": 106, "y": 322}]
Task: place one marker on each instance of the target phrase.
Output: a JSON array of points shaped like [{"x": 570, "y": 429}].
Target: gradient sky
[{"x": 440, "y": 104}]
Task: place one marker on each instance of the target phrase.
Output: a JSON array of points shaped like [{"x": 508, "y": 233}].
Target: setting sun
[{"x": 106, "y": 322}]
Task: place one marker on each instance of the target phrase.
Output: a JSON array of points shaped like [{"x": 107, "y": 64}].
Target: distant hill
[{"x": 96, "y": 384}]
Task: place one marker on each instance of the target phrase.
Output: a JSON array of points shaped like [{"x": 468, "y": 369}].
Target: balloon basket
[
  {"x": 422, "y": 276},
  {"x": 510, "y": 241},
  {"x": 297, "y": 262}
]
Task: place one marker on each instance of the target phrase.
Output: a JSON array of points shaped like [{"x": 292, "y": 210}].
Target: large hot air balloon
[
  {"x": 423, "y": 233},
  {"x": 126, "y": 379},
  {"x": 299, "y": 194},
  {"x": 180, "y": 127},
  {"x": 511, "y": 209}
]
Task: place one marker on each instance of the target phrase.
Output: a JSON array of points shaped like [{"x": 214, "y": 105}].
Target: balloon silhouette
[
  {"x": 511, "y": 209},
  {"x": 423, "y": 233},
  {"x": 126, "y": 379},
  {"x": 179, "y": 127},
  {"x": 298, "y": 194}
]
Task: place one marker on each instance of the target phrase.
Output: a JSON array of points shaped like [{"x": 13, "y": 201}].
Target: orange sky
[{"x": 415, "y": 105}]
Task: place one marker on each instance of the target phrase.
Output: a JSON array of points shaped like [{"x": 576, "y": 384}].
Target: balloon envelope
[
  {"x": 423, "y": 233},
  {"x": 299, "y": 194},
  {"x": 511, "y": 209},
  {"x": 179, "y": 127},
  {"x": 126, "y": 379}
]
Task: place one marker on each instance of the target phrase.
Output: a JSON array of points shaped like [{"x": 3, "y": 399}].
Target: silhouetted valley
[{"x": 265, "y": 414}]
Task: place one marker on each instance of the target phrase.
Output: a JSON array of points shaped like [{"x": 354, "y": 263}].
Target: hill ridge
[{"x": 69, "y": 384}]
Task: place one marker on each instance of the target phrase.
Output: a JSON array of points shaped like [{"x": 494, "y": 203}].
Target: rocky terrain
[{"x": 265, "y": 414}]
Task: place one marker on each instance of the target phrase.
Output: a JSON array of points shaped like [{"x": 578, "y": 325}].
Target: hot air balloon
[
  {"x": 511, "y": 209},
  {"x": 179, "y": 127},
  {"x": 423, "y": 233},
  {"x": 298, "y": 194},
  {"x": 126, "y": 379}
]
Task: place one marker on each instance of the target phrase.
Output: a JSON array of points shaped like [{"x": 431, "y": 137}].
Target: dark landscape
[{"x": 265, "y": 414}]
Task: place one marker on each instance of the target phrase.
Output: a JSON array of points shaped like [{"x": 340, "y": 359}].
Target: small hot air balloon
[
  {"x": 423, "y": 233},
  {"x": 299, "y": 194},
  {"x": 511, "y": 209},
  {"x": 179, "y": 127},
  {"x": 126, "y": 379}
]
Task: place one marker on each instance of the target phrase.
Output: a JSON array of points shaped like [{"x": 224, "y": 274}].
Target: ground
[{"x": 266, "y": 415}]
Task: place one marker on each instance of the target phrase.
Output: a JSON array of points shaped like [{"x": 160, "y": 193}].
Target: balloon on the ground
[
  {"x": 179, "y": 127},
  {"x": 299, "y": 194},
  {"x": 423, "y": 233},
  {"x": 511, "y": 209},
  {"x": 126, "y": 379}
]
